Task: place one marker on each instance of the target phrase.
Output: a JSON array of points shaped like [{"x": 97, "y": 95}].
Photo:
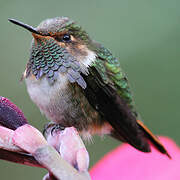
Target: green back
[{"x": 110, "y": 71}]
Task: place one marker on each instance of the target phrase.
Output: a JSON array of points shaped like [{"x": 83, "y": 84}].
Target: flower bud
[{"x": 10, "y": 115}]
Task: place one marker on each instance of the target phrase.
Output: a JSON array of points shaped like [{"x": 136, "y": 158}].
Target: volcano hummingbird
[{"x": 76, "y": 81}]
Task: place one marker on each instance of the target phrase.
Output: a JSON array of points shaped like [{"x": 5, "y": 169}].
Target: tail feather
[{"x": 156, "y": 142}]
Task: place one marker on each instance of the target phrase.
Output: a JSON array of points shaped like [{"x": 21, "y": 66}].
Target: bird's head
[{"x": 58, "y": 43}]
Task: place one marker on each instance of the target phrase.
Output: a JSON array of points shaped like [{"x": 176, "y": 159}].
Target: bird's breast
[
  {"x": 64, "y": 103},
  {"x": 50, "y": 98}
]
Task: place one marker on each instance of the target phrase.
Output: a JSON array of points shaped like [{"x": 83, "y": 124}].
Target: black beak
[{"x": 26, "y": 26}]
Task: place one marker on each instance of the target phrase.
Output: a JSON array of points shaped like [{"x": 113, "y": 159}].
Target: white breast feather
[
  {"x": 41, "y": 92},
  {"x": 89, "y": 59}
]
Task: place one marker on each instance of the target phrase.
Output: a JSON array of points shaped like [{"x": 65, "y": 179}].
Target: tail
[{"x": 155, "y": 141}]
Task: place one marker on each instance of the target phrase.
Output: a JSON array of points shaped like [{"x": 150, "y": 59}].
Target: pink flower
[{"x": 127, "y": 163}]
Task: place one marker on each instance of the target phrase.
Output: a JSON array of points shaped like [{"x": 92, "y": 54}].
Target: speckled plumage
[
  {"x": 77, "y": 82},
  {"x": 48, "y": 59}
]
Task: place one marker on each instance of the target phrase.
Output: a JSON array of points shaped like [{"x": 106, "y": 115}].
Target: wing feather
[{"x": 109, "y": 93}]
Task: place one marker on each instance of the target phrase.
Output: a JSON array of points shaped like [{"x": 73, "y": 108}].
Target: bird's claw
[
  {"x": 52, "y": 127},
  {"x": 70, "y": 146}
]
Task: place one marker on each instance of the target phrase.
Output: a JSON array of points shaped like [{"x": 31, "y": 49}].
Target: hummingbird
[{"x": 76, "y": 81}]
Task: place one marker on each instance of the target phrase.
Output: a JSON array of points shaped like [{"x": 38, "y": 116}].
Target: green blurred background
[{"x": 144, "y": 34}]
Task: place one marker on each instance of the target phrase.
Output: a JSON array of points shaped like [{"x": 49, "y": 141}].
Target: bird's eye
[{"x": 66, "y": 38}]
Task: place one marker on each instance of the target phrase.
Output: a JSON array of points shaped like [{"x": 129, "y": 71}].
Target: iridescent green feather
[
  {"x": 111, "y": 73},
  {"x": 48, "y": 59}
]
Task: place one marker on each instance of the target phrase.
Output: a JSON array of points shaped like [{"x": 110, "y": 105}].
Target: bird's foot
[
  {"x": 70, "y": 146},
  {"x": 52, "y": 128}
]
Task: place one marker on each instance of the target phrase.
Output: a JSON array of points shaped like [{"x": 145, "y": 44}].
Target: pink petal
[
  {"x": 28, "y": 138},
  {"x": 127, "y": 163}
]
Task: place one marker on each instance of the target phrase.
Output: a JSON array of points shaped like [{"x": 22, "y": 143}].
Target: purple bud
[{"x": 10, "y": 115}]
